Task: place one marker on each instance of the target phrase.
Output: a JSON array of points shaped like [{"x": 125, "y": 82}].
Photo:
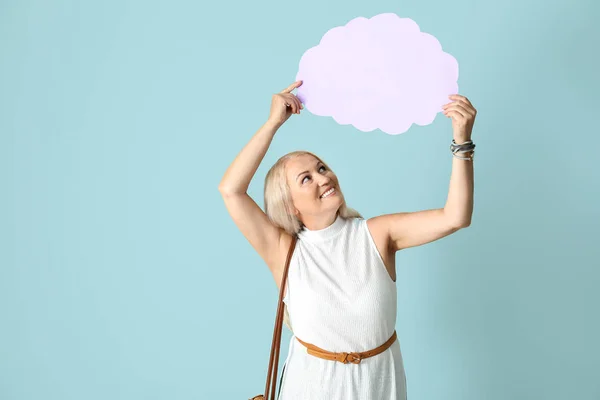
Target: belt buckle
[{"x": 353, "y": 358}]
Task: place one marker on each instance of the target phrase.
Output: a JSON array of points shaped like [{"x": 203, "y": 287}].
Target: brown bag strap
[{"x": 276, "y": 344}]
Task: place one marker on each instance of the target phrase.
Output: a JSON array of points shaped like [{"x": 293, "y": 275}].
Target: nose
[{"x": 325, "y": 181}]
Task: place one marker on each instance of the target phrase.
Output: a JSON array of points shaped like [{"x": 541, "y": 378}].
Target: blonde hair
[{"x": 280, "y": 208}]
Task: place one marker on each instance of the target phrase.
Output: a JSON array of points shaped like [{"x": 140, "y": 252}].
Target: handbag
[{"x": 269, "y": 393}]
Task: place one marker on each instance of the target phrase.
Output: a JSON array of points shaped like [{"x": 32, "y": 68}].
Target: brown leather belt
[{"x": 345, "y": 358}]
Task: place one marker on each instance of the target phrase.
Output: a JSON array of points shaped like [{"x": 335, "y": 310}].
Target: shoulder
[
  {"x": 378, "y": 228},
  {"x": 375, "y": 224},
  {"x": 375, "y": 227}
]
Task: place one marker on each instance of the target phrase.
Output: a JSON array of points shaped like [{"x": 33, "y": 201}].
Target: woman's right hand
[{"x": 284, "y": 104}]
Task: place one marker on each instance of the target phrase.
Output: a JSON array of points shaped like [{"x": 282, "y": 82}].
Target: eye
[{"x": 307, "y": 176}]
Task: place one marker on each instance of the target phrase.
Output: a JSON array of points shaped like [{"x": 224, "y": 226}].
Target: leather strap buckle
[{"x": 354, "y": 358}]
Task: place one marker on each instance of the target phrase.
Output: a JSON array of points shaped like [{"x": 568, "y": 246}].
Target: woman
[{"x": 341, "y": 291}]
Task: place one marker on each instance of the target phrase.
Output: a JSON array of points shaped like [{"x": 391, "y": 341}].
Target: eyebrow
[{"x": 303, "y": 172}]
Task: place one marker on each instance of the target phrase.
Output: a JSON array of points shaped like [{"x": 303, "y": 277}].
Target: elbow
[
  {"x": 223, "y": 189},
  {"x": 226, "y": 191},
  {"x": 463, "y": 224},
  {"x": 458, "y": 221}
]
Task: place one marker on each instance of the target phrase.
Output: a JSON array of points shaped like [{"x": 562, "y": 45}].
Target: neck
[{"x": 318, "y": 223}]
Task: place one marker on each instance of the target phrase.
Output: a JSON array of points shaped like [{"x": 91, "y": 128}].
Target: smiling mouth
[{"x": 328, "y": 193}]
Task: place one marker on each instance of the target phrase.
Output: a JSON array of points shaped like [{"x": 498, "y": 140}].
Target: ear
[{"x": 294, "y": 212}]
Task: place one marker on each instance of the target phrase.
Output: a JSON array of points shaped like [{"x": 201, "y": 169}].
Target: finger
[
  {"x": 291, "y": 87},
  {"x": 466, "y": 105},
  {"x": 280, "y": 99},
  {"x": 293, "y": 104},
  {"x": 459, "y": 107},
  {"x": 454, "y": 115},
  {"x": 298, "y": 104},
  {"x": 458, "y": 113},
  {"x": 456, "y": 109},
  {"x": 459, "y": 97},
  {"x": 463, "y": 103}
]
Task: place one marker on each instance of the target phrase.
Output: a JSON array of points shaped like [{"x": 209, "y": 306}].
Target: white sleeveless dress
[{"x": 341, "y": 298}]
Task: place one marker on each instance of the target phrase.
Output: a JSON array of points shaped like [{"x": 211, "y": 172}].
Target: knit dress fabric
[{"x": 341, "y": 298}]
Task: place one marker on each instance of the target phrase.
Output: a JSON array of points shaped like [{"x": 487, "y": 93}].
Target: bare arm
[
  {"x": 266, "y": 238},
  {"x": 409, "y": 229},
  {"x": 459, "y": 204},
  {"x": 239, "y": 174}
]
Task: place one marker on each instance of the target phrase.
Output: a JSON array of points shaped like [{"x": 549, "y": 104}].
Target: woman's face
[{"x": 308, "y": 179}]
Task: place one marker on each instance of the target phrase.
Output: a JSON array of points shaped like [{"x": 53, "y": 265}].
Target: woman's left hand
[{"x": 463, "y": 115}]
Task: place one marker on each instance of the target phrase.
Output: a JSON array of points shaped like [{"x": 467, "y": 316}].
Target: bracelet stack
[{"x": 466, "y": 147}]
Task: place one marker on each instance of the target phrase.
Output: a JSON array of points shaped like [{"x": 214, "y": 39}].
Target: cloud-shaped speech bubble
[{"x": 381, "y": 72}]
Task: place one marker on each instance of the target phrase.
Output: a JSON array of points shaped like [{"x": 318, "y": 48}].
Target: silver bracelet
[
  {"x": 466, "y": 147},
  {"x": 470, "y": 158}
]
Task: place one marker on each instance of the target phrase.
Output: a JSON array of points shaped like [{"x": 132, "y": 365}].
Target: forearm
[
  {"x": 459, "y": 205},
  {"x": 239, "y": 174}
]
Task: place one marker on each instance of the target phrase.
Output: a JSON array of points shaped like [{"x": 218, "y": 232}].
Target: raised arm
[
  {"x": 410, "y": 229},
  {"x": 254, "y": 224}
]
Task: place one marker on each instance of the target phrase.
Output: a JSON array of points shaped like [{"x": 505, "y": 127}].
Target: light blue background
[{"x": 123, "y": 277}]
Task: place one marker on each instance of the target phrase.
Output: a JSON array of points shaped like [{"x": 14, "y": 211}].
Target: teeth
[{"x": 327, "y": 193}]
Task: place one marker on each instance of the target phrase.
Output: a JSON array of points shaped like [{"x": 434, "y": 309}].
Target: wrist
[
  {"x": 272, "y": 124},
  {"x": 461, "y": 139}
]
